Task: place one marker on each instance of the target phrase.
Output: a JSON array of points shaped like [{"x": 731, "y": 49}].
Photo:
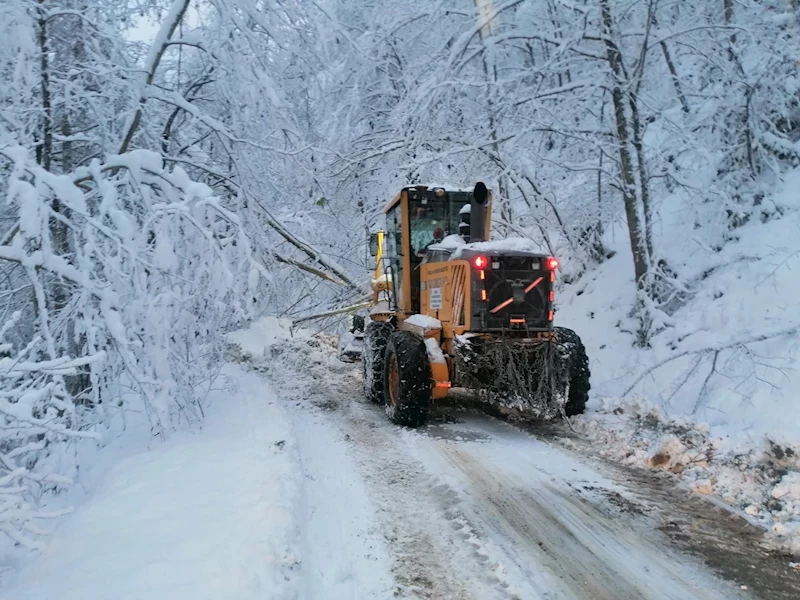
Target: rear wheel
[
  {"x": 572, "y": 349},
  {"x": 376, "y": 336},
  {"x": 407, "y": 379}
]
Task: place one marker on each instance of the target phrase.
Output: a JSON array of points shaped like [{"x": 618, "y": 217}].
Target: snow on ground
[
  {"x": 757, "y": 480},
  {"x": 725, "y": 409},
  {"x": 263, "y": 335},
  {"x": 476, "y": 510},
  {"x": 205, "y": 515},
  {"x": 509, "y": 498},
  {"x": 298, "y": 488},
  {"x": 253, "y": 506}
]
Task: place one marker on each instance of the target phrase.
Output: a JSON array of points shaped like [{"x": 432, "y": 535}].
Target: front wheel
[
  {"x": 573, "y": 351},
  {"x": 376, "y": 336},
  {"x": 407, "y": 379}
]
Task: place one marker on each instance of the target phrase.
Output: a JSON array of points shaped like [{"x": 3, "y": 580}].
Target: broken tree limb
[
  {"x": 307, "y": 268},
  {"x": 280, "y": 229},
  {"x": 332, "y": 313},
  {"x": 715, "y": 349}
]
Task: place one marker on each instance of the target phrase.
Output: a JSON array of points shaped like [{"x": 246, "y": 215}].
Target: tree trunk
[
  {"x": 644, "y": 181},
  {"x": 58, "y": 292},
  {"x": 44, "y": 153},
  {"x": 674, "y": 75},
  {"x": 627, "y": 174}
]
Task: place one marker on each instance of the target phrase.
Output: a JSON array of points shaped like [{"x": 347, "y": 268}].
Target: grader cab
[{"x": 452, "y": 310}]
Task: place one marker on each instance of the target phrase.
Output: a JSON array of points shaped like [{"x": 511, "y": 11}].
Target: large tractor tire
[
  {"x": 376, "y": 336},
  {"x": 572, "y": 350},
  {"x": 407, "y": 380}
]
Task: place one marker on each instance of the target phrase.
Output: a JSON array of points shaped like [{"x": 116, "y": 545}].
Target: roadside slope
[{"x": 232, "y": 511}]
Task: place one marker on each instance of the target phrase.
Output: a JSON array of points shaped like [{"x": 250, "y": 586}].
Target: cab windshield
[{"x": 428, "y": 216}]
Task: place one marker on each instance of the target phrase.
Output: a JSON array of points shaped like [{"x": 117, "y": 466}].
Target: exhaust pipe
[{"x": 477, "y": 216}]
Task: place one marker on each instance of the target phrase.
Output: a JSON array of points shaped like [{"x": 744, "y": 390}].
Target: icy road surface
[
  {"x": 481, "y": 509},
  {"x": 298, "y": 489}
]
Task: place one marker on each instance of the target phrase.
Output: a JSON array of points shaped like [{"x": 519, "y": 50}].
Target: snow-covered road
[
  {"x": 299, "y": 489},
  {"x": 479, "y": 509}
]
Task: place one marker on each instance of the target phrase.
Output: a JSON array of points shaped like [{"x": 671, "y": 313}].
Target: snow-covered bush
[
  {"x": 36, "y": 412},
  {"x": 122, "y": 273},
  {"x": 136, "y": 260}
]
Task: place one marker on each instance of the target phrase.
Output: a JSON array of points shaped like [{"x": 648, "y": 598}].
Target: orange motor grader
[{"x": 452, "y": 310}]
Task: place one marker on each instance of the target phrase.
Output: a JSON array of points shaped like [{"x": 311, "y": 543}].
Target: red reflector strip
[
  {"x": 533, "y": 285},
  {"x": 502, "y": 305},
  {"x": 550, "y": 316},
  {"x": 483, "y": 295},
  {"x": 552, "y": 296},
  {"x": 443, "y": 384},
  {"x": 518, "y": 321},
  {"x": 552, "y": 276},
  {"x": 483, "y": 274}
]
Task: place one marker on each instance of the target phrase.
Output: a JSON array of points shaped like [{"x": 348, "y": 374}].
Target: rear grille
[
  {"x": 517, "y": 297},
  {"x": 519, "y": 263}
]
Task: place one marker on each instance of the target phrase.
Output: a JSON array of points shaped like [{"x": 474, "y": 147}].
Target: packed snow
[
  {"x": 434, "y": 350},
  {"x": 424, "y": 322}
]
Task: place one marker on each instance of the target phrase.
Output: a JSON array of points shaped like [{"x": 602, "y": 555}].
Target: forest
[{"x": 173, "y": 169}]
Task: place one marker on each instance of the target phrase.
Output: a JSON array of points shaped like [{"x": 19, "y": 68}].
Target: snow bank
[
  {"x": 271, "y": 343},
  {"x": 760, "y": 481},
  {"x": 254, "y": 341},
  {"x": 732, "y": 409},
  {"x": 747, "y": 288},
  {"x": 206, "y": 515}
]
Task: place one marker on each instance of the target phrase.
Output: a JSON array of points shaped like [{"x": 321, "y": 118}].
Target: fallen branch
[
  {"x": 307, "y": 268},
  {"x": 333, "y": 313},
  {"x": 716, "y": 349},
  {"x": 704, "y": 389}
]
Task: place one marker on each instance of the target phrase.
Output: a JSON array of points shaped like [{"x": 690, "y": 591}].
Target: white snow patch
[
  {"x": 788, "y": 490},
  {"x": 206, "y": 515},
  {"x": 263, "y": 333},
  {"x": 424, "y": 321},
  {"x": 512, "y": 244},
  {"x": 434, "y": 351},
  {"x": 451, "y": 242}
]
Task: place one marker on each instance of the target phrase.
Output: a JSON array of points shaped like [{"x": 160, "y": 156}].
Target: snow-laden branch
[
  {"x": 715, "y": 350},
  {"x": 125, "y": 268},
  {"x": 151, "y": 62},
  {"x": 215, "y": 125}
]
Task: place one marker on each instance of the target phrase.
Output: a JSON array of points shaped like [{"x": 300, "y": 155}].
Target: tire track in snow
[
  {"x": 588, "y": 555},
  {"x": 342, "y": 555},
  {"x": 462, "y": 521},
  {"x": 436, "y": 553},
  {"x": 433, "y": 554}
]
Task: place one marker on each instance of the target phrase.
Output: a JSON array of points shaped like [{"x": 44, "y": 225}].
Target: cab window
[{"x": 426, "y": 217}]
